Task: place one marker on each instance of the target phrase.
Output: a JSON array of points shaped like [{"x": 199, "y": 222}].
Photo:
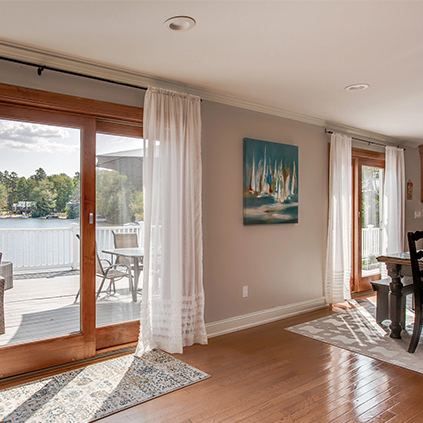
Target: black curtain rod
[
  {"x": 41, "y": 68},
  {"x": 327, "y": 131}
]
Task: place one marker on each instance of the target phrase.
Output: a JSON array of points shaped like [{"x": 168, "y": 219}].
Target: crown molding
[{"x": 76, "y": 64}]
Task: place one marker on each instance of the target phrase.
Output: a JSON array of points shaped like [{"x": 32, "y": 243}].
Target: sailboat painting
[{"x": 270, "y": 182}]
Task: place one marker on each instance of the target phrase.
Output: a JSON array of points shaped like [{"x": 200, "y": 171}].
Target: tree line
[{"x": 118, "y": 200}]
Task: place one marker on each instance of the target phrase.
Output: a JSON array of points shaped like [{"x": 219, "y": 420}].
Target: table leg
[
  {"x": 395, "y": 297},
  {"x": 136, "y": 277}
]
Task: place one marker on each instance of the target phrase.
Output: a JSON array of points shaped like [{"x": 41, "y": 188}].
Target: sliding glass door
[
  {"x": 46, "y": 199},
  {"x": 56, "y": 309},
  {"x": 119, "y": 223},
  {"x": 39, "y": 220}
]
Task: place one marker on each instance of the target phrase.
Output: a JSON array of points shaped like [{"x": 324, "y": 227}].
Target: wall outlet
[
  {"x": 417, "y": 214},
  {"x": 245, "y": 291}
]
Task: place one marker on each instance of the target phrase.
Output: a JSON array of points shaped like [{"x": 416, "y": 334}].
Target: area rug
[
  {"x": 98, "y": 390},
  {"x": 356, "y": 330}
]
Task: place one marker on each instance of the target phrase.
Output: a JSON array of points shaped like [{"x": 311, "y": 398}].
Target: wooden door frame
[
  {"x": 25, "y": 104},
  {"x": 360, "y": 158}
]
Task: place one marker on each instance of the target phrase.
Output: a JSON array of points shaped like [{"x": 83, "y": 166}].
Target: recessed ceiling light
[
  {"x": 357, "y": 87},
  {"x": 180, "y": 23}
]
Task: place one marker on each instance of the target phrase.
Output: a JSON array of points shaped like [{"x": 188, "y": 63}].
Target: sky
[{"x": 25, "y": 147}]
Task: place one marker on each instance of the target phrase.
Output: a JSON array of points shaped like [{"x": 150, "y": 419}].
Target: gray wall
[
  {"x": 412, "y": 172},
  {"x": 281, "y": 264}
]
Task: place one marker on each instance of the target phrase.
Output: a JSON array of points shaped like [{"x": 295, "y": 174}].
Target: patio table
[{"x": 130, "y": 253}]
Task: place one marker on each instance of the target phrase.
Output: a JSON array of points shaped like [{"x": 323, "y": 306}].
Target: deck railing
[
  {"x": 370, "y": 242},
  {"x": 53, "y": 248}
]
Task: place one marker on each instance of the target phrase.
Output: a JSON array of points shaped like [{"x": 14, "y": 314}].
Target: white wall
[{"x": 281, "y": 264}]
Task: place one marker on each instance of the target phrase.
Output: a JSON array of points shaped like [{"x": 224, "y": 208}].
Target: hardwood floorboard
[
  {"x": 405, "y": 409},
  {"x": 267, "y": 374}
]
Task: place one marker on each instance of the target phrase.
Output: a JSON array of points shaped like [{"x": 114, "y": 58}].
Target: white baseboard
[{"x": 261, "y": 317}]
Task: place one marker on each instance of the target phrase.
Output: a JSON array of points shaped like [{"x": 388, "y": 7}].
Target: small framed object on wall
[
  {"x": 270, "y": 182},
  {"x": 409, "y": 190}
]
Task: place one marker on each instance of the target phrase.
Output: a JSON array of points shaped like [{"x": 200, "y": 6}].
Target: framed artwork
[{"x": 270, "y": 182}]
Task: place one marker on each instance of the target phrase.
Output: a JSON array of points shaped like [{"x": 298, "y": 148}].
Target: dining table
[
  {"x": 399, "y": 266},
  {"x": 130, "y": 254}
]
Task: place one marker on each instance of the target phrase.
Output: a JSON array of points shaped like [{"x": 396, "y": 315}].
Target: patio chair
[
  {"x": 415, "y": 255},
  {"x": 126, "y": 240},
  {"x": 111, "y": 272}
]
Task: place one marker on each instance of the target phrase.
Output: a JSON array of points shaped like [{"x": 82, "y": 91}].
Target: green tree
[
  {"x": 39, "y": 174},
  {"x": 22, "y": 189},
  {"x": 137, "y": 206},
  {"x": 45, "y": 197},
  {"x": 114, "y": 194},
  {"x": 3, "y": 197},
  {"x": 13, "y": 178},
  {"x": 63, "y": 187},
  {"x": 73, "y": 205}
]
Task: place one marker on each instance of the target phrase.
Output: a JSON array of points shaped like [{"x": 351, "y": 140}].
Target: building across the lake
[{"x": 24, "y": 206}]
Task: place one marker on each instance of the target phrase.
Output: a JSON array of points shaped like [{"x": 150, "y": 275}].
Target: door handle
[{"x": 91, "y": 218}]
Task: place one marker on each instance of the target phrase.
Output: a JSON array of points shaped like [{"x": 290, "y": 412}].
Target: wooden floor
[
  {"x": 41, "y": 306},
  {"x": 267, "y": 374}
]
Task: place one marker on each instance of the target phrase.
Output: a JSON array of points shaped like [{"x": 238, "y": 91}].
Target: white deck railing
[
  {"x": 52, "y": 248},
  {"x": 370, "y": 242}
]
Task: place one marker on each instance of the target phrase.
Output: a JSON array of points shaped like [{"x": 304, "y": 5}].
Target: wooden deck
[{"x": 42, "y": 305}]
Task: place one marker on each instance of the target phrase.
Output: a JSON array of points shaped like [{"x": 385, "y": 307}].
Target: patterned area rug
[
  {"x": 356, "y": 330},
  {"x": 98, "y": 390}
]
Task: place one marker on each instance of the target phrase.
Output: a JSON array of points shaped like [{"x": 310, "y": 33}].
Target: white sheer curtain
[
  {"x": 338, "y": 254},
  {"x": 172, "y": 308},
  {"x": 394, "y": 202}
]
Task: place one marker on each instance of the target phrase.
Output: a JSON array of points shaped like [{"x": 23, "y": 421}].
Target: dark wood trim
[
  {"x": 88, "y": 246},
  {"x": 18, "y": 359},
  {"x": 69, "y": 104},
  {"x": 117, "y": 335},
  {"x": 26, "y": 114},
  {"x": 372, "y": 158},
  {"x": 113, "y": 128},
  {"x": 356, "y": 236}
]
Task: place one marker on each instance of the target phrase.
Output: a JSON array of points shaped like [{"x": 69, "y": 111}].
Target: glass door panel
[
  {"x": 371, "y": 219},
  {"x": 39, "y": 221},
  {"x": 119, "y": 223}
]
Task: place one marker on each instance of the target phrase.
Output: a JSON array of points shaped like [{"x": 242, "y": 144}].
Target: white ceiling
[{"x": 287, "y": 56}]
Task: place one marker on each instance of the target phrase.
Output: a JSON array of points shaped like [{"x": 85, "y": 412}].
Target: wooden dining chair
[{"x": 415, "y": 255}]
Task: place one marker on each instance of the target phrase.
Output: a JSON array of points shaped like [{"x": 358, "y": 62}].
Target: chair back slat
[
  {"x": 125, "y": 240},
  {"x": 417, "y": 272},
  {"x": 98, "y": 267},
  {"x": 415, "y": 255}
]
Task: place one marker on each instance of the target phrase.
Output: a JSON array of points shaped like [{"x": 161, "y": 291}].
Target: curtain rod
[
  {"x": 328, "y": 131},
  {"x": 42, "y": 68}
]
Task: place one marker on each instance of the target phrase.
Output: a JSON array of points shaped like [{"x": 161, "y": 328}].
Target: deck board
[{"x": 42, "y": 306}]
